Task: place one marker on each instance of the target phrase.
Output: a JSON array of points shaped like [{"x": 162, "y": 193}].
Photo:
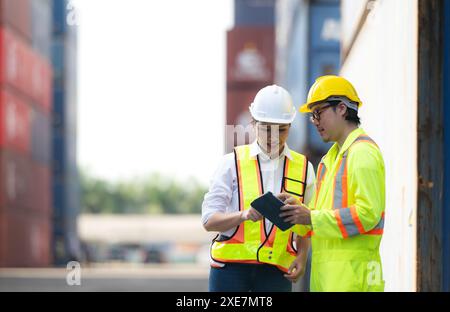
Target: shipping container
[
  {"x": 432, "y": 150},
  {"x": 41, "y": 26},
  {"x": 254, "y": 12},
  {"x": 386, "y": 81},
  {"x": 26, "y": 71},
  {"x": 16, "y": 181},
  {"x": 39, "y": 85},
  {"x": 16, "y": 14},
  {"x": 238, "y": 118},
  {"x": 13, "y": 60},
  {"x": 323, "y": 58},
  {"x": 25, "y": 239},
  {"x": 59, "y": 17},
  {"x": 292, "y": 64},
  {"x": 65, "y": 182},
  {"x": 41, "y": 191},
  {"x": 40, "y": 138},
  {"x": 250, "y": 67},
  {"x": 250, "y": 56},
  {"x": 446, "y": 122},
  {"x": 14, "y": 122},
  {"x": 308, "y": 46}
]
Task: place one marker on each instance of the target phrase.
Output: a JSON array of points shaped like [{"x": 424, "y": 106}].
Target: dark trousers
[{"x": 243, "y": 277}]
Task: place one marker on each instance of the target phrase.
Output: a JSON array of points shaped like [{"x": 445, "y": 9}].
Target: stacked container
[
  {"x": 25, "y": 112},
  {"x": 308, "y": 46},
  {"x": 250, "y": 61},
  {"x": 66, "y": 245}
]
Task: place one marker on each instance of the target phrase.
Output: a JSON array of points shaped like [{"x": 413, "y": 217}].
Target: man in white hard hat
[{"x": 250, "y": 253}]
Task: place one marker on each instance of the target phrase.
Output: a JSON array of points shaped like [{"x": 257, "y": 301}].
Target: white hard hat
[{"x": 273, "y": 104}]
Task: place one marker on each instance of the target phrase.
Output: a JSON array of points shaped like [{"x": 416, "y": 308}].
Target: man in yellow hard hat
[
  {"x": 346, "y": 214},
  {"x": 250, "y": 253}
]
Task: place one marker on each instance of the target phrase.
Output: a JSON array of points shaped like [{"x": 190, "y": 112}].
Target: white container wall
[
  {"x": 352, "y": 12},
  {"x": 382, "y": 65}
]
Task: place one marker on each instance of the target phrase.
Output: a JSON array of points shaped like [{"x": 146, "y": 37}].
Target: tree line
[{"x": 154, "y": 194}]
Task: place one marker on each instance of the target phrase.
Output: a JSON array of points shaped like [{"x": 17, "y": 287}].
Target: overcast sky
[{"x": 152, "y": 86}]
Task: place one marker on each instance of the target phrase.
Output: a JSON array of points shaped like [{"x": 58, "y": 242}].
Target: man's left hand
[{"x": 296, "y": 270}]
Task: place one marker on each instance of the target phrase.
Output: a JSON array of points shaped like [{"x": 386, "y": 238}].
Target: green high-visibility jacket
[{"x": 348, "y": 217}]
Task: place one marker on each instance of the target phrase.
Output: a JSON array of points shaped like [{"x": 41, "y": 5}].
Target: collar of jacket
[{"x": 334, "y": 152}]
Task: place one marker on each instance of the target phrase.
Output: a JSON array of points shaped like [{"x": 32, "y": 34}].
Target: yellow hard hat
[{"x": 329, "y": 86}]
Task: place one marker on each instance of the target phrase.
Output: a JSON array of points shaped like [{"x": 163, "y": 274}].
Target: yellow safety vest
[
  {"x": 250, "y": 243},
  {"x": 348, "y": 217}
]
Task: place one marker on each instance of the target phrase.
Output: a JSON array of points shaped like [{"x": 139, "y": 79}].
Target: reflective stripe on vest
[
  {"x": 321, "y": 172},
  {"x": 346, "y": 217},
  {"x": 250, "y": 243}
]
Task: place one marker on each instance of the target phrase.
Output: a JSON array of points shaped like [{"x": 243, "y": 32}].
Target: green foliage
[{"x": 152, "y": 195}]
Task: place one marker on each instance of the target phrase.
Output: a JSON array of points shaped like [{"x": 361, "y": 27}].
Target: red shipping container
[
  {"x": 47, "y": 93},
  {"x": 25, "y": 70},
  {"x": 14, "y": 122},
  {"x": 39, "y": 82},
  {"x": 25, "y": 240},
  {"x": 15, "y": 180},
  {"x": 17, "y": 15},
  {"x": 41, "y": 130},
  {"x": 238, "y": 102},
  {"x": 250, "y": 55},
  {"x": 41, "y": 191},
  {"x": 12, "y": 60}
]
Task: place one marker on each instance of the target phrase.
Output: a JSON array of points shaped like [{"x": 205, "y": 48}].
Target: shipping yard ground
[{"x": 153, "y": 278}]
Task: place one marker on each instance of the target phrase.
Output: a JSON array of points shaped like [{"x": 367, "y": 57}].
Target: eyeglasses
[{"x": 316, "y": 114}]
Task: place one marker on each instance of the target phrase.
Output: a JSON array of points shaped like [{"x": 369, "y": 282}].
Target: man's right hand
[
  {"x": 251, "y": 214},
  {"x": 288, "y": 199}
]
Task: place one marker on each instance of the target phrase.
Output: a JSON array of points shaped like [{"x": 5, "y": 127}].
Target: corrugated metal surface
[
  {"x": 14, "y": 122},
  {"x": 59, "y": 17},
  {"x": 15, "y": 180},
  {"x": 250, "y": 67},
  {"x": 254, "y": 12},
  {"x": 40, "y": 137},
  {"x": 16, "y": 14},
  {"x": 238, "y": 102},
  {"x": 41, "y": 19},
  {"x": 65, "y": 201},
  {"x": 237, "y": 113},
  {"x": 25, "y": 240},
  {"x": 250, "y": 55},
  {"x": 386, "y": 81},
  {"x": 23, "y": 69},
  {"x": 13, "y": 60},
  {"x": 292, "y": 62},
  {"x": 446, "y": 100},
  {"x": 430, "y": 158},
  {"x": 25, "y": 104},
  {"x": 323, "y": 58},
  {"x": 40, "y": 81},
  {"x": 41, "y": 191}
]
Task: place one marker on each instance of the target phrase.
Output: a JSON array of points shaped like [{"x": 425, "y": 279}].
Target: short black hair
[{"x": 352, "y": 116}]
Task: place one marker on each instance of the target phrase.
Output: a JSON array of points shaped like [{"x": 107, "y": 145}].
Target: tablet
[{"x": 269, "y": 206}]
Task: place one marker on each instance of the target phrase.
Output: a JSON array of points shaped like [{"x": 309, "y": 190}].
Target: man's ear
[{"x": 342, "y": 109}]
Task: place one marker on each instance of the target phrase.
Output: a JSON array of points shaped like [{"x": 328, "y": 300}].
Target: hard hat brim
[
  {"x": 305, "y": 109},
  {"x": 275, "y": 120}
]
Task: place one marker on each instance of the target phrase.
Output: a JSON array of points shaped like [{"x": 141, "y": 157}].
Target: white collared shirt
[{"x": 223, "y": 191}]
